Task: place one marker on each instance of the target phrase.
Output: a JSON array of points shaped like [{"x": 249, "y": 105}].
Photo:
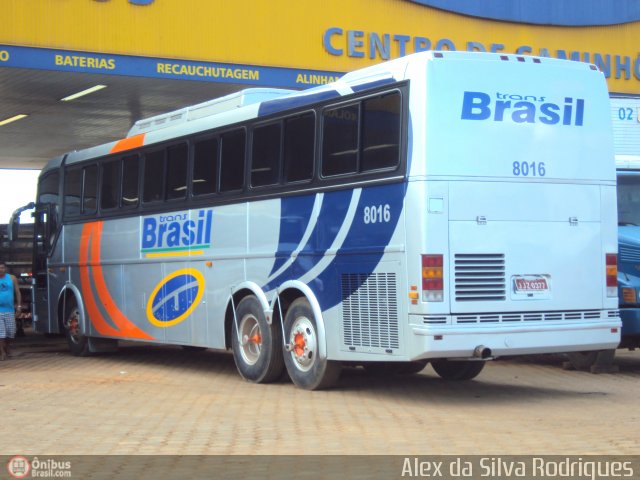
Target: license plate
[{"x": 531, "y": 287}]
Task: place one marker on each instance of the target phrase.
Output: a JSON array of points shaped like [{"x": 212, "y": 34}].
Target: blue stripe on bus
[
  {"x": 295, "y": 213},
  {"x": 283, "y": 104},
  {"x": 331, "y": 217},
  {"x": 371, "y": 239}
]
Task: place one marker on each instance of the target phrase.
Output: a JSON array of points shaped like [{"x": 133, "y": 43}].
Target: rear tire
[
  {"x": 71, "y": 324},
  {"x": 304, "y": 365},
  {"x": 258, "y": 353},
  {"x": 458, "y": 369}
]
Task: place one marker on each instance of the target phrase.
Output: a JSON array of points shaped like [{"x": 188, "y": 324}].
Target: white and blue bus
[{"x": 444, "y": 207}]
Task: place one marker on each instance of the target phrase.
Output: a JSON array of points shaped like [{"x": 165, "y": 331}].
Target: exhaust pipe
[{"x": 482, "y": 352}]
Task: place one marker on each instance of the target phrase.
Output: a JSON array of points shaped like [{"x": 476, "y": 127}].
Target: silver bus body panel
[{"x": 358, "y": 275}]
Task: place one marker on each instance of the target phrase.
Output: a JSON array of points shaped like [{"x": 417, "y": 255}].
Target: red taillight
[
  {"x": 612, "y": 274},
  {"x": 432, "y": 278}
]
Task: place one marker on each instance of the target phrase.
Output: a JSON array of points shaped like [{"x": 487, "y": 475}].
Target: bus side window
[
  {"x": 48, "y": 194},
  {"x": 232, "y": 161},
  {"x": 177, "y": 171},
  {"x": 340, "y": 140},
  {"x": 90, "y": 190},
  {"x": 205, "y": 167},
  {"x": 130, "y": 177},
  {"x": 299, "y": 148},
  {"x": 154, "y": 173},
  {"x": 380, "y": 132},
  {"x": 265, "y": 155},
  {"x": 109, "y": 185},
  {"x": 72, "y": 191}
]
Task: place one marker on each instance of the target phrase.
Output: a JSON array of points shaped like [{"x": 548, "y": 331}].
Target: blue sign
[
  {"x": 574, "y": 13},
  {"x": 84, "y": 62}
]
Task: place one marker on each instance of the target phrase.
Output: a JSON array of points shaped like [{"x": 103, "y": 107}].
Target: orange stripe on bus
[
  {"x": 126, "y": 326},
  {"x": 95, "y": 316},
  {"x": 128, "y": 143}
]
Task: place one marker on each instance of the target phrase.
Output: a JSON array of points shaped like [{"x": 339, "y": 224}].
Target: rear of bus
[{"x": 511, "y": 224}]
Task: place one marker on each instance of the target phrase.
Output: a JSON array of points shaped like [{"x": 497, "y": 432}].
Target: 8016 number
[
  {"x": 377, "y": 214},
  {"x": 525, "y": 169}
]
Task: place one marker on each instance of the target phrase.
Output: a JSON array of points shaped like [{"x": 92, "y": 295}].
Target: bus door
[{"x": 43, "y": 235}]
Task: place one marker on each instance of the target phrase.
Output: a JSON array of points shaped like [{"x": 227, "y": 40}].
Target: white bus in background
[{"x": 444, "y": 207}]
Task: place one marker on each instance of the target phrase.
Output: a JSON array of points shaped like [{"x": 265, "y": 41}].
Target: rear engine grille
[
  {"x": 370, "y": 310},
  {"x": 479, "y": 277}
]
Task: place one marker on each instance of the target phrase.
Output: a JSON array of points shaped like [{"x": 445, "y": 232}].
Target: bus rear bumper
[{"x": 455, "y": 341}]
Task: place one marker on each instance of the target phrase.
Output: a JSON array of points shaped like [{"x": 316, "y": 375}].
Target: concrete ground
[{"x": 163, "y": 400}]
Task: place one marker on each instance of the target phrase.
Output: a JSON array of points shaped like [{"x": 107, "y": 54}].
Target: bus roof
[{"x": 258, "y": 102}]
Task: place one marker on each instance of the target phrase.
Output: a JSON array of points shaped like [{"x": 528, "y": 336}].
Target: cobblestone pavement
[{"x": 163, "y": 400}]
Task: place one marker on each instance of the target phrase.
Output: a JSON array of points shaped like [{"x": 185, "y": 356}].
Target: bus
[
  {"x": 444, "y": 207},
  {"x": 629, "y": 248},
  {"x": 626, "y": 134}
]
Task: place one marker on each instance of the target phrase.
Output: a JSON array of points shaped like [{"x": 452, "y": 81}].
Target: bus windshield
[{"x": 628, "y": 199}]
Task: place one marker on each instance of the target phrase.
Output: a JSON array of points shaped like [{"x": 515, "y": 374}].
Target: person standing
[{"x": 10, "y": 301}]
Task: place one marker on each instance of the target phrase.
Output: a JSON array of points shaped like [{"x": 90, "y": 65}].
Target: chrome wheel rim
[
  {"x": 304, "y": 344},
  {"x": 72, "y": 325},
  {"x": 250, "y": 339}
]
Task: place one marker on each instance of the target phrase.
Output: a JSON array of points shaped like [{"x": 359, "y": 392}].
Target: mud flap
[{"x": 102, "y": 345}]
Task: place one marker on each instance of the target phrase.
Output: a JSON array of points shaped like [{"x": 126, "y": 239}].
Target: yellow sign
[{"x": 327, "y": 35}]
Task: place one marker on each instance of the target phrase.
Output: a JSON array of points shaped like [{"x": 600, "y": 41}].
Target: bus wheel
[
  {"x": 383, "y": 369},
  {"x": 77, "y": 341},
  {"x": 596, "y": 361},
  {"x": 305, "y": 367},
  {"x": 257, "y": 351},
  {"x": 457, "y": 370}
]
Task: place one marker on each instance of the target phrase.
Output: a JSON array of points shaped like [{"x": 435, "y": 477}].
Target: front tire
[
  {"x": 304, "y": 365},
  {"x": 71, "y": 324},
  {"x": 258, "y": 352},
  {"x": 457, "y": 370}
]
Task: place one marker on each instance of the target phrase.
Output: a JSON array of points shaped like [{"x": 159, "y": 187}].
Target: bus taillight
[
  {"x": 612, "y": 274},
  {"x": 432, "y": 278}
]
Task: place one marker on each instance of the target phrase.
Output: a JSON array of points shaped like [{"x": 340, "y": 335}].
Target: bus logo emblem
[
  {"x": 175, "y": 297},
  {"x": 176, "y": 234}
]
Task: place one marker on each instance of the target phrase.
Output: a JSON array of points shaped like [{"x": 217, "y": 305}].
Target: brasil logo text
[
  {"x": 176, "y": 234},
  {"x": 175, "y": 297}
]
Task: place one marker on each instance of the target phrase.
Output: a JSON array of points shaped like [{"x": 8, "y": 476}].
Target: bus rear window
[
  {"x": 90, "y": 190},
  {"x": 205, "y": 167},
  {"x": 130, "y": 176},
  {"x": 340, "y": 141},
  {"x": 299, "y": 148},
  {"x": 232, "y": 161},
  {"x": 153, "y": 176},
  {"x": 177, "y": 171},
  {"x": 380, "y": 132},
  {"x": 265, "y": 158},
  {"x": 72, "y": 191},
  {"x": 109, "y": 185}
]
